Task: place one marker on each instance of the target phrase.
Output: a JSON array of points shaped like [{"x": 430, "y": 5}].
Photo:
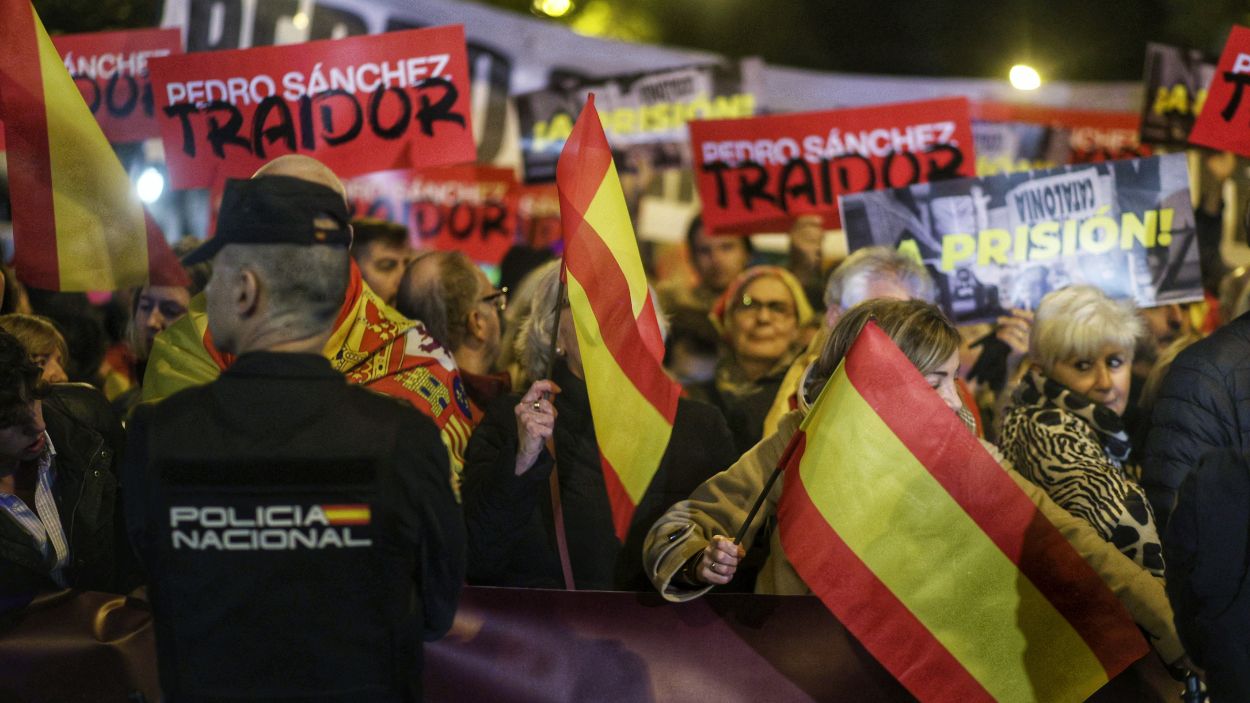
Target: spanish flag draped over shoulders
[
  {"x": 372, "y": 345},
  {"x": 928, "y": 552},
  {"x": 632, "y": 401},
  {"x": 77, "y": 222}
]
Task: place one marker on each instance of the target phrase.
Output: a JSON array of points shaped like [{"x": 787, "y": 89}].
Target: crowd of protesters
[{"x": 1124, "y": 427}]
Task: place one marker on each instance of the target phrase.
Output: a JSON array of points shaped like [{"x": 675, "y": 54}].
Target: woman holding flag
[
  {"x": 687, "y": 551},
  {"x": 535, "y": 500}
]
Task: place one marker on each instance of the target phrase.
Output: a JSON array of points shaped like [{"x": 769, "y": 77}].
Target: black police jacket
[
  {"x": 88, "y": 441},
  {"x": 300, "y": 535}
]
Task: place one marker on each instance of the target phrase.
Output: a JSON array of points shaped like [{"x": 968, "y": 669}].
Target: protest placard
[
  {"x": 362, "y": 104},
  {"x": 111, "y": 71},
  {"x": 758, "y": 174},
  {"x": 644, "y": 114},
  {"x": 1011, "y": 138},
  {"x": 999, "y": 242},
  {"x": 1224, "y": 122},
  {"x": 468, "y": 208},
  {"x": 1176, "y": 83}
]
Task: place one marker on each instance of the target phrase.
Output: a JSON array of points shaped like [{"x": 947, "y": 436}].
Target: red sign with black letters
[
  {"x": 1224, "y": 122},
  {"x": 466, "y": 208},
  {"x": 111, "y": 71},
  {"x": 370, "y": 103},
  {"x": 758, "y": 174}
]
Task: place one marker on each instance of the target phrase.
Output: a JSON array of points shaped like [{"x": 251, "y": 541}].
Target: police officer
[{"x": 299, "y": 534}]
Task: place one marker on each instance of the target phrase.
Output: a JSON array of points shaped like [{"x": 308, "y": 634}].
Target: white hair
[
  {"x": 848, "y": 284},
  {"x": 1080, "y": 321}
]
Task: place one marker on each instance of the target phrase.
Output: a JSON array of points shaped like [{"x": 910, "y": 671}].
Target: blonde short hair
[{"x": 1080, "y": 321}]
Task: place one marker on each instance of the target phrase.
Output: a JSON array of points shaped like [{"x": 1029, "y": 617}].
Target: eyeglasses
[
  {"x": 780, "y": 308},
  {"x": 499, "y": 299}
]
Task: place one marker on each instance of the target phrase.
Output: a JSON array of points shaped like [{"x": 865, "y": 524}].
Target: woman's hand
[
  {"x": 535, "y": 421},
  {"x": 719, "y": 561},
  {"x": 1013, "y": 330}
]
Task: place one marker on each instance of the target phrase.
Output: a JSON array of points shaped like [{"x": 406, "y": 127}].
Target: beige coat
[{"x": 719, "y": 506}]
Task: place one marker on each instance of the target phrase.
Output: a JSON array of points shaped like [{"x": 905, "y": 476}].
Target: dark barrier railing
[{"x": 526, "y": 645}]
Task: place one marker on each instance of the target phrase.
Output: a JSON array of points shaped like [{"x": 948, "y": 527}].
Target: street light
[
  {"x": 150, "y": 185},
  {"x": 553, "y": 8},
  {"x": 1024, "y": 77}
]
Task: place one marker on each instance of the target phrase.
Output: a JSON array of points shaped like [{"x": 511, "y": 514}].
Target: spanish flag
[
  {"x": 924, "y": 548},
  {"x": 78, "y": 224},
  {"x": 632, "y": 400}
]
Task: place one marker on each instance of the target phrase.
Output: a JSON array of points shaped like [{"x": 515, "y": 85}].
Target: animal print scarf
[{"x": 1038, "y": 390}]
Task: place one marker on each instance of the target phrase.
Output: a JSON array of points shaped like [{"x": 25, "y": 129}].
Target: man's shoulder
[{"x": 1227, "y": 349}]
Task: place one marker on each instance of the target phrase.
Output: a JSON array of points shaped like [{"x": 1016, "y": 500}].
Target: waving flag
[
  {"x": 77, "y": 222},
  {"x": 927, "y": 550},
  {"x": 632, "y": 401},
  {"x": 372, "y": 344}
]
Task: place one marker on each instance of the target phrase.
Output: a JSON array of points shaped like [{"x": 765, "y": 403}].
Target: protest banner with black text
[
  {"x": 467, "y": 208},
  {"x": 1176, "y": 83},
  {"x": 758, "y": 174},
  {"x": 1224, "y": 122},
  {"x": 1012, "y": 138},
  {"x": 362, "y": 104},
  {"x": 111, "y": 71},
  {"x": 999, "y": 242}
]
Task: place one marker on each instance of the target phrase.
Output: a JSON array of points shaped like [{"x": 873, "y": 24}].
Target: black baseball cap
[{"x": 277, "y": 210}]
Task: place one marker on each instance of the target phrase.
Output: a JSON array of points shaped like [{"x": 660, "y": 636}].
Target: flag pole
[
  {"x": 768, "y": 486},
  {"x": 555, "y": 325}
]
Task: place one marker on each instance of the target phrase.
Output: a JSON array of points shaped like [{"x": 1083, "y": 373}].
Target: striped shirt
[{"x": 43, "y": 524}]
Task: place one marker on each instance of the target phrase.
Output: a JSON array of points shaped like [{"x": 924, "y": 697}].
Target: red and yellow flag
[
  {"x": 632, "y": 400},
  {"x": 78, "y": 224},
  {"x": 924, "y": 547},
  {"x": 372, "y": 345}
]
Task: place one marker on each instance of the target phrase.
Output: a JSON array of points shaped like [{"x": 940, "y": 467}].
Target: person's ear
[
  {"x": 477, "y": 325},
  {"x": 247, "y": 293}
]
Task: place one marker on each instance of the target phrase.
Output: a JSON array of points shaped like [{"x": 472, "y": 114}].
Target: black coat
[
  {"x": 1206, "y": 547},
  {"x": 268, "y": 615},
  {"x": 1204, "y": 404},
  {"x": 88, "y": 441},
  {"x": 509, "y": 518}
]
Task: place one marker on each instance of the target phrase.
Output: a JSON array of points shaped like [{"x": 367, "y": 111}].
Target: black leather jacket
[{"x": 88, "y": 441}]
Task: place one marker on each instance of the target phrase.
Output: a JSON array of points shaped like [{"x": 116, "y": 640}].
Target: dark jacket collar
[{"x": 282, "y": 365}]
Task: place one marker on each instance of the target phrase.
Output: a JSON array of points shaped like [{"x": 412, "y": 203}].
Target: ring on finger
[{"x": 538, "y": 405}]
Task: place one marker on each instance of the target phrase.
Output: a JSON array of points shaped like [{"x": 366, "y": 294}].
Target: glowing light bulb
[
  {"x": 1024, "y": 77},
  {"x": 300, "y": 20}
]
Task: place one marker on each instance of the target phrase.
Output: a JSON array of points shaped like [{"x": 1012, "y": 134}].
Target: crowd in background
[{"x": 1074, "y": 398}]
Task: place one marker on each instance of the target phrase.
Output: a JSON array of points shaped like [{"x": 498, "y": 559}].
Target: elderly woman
[
  {"x": 1064, "y": 431},
  {"x": 533, "y": 479},
  {"x": 687, "y": 551},
  {"x": 760, "y": 318}
]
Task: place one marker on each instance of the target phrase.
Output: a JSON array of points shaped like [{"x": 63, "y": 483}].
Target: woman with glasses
[
  {"x": 535, "y": 502},
  {"x": 760, "y": 317}
]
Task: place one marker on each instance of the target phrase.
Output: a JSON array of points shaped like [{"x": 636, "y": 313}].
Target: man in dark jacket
[
  {"x": 1209, "y": 571},
  {"x": 1204, "y": 405},
  {"x": 300, "y": 534},
  {"x": 60, "y": 516}
]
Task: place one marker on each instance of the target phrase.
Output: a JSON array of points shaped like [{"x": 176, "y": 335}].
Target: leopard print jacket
[{"x": 1077, "y": 452}]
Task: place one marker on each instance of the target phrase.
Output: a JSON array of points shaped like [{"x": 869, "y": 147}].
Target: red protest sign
[
  {"x": 111, "y": 71},
  {"x": 361, "y": 104},
  {"x": 1088, "y": 136},
  {"x": 757, "y": 174},
  {"x": 538, "y": 215},
  {"x": 1224, "y": 122},
  {"x": 381, "y": 196},
  {"x": 467, "y": 208}
]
